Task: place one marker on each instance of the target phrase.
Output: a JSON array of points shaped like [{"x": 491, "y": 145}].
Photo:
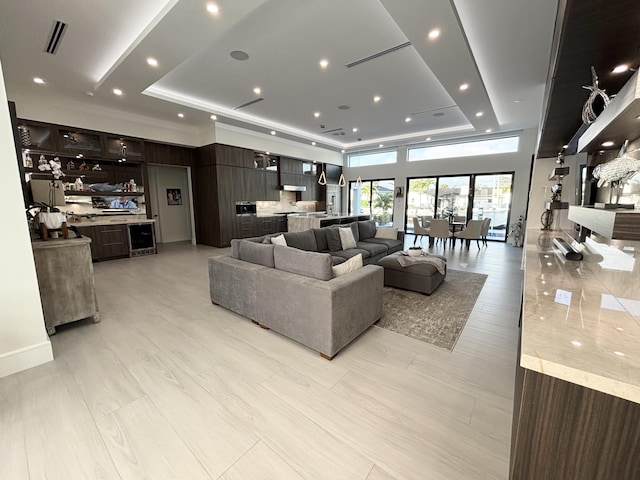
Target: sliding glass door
[
  {"x": 492, "y": 199},
  {"x": 373, "y": 198},
  {"x": 462, "y": 198}
]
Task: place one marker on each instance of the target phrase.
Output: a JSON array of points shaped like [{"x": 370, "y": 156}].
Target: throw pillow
[
  {"x": 346, "y": 238},
  {"x": 333, "y": 239},
  {"x": 257, "y": 253},
  {"x": 386, "y": 232},
  {"x": 279, "y": 240},
  {"x": 350, "y": 265}
]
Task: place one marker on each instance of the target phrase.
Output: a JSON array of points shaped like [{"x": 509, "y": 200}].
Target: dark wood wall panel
[
  {"x": 565, "y": 431},
  {"x": 164, "y": 154},
  {"x": 205, "y": 198}
]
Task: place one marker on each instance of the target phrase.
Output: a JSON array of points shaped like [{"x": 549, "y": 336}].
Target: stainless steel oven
[{"x": 245, "y": 208}]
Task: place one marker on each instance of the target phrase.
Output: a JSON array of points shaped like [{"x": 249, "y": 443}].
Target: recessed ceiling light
[
  {"x": 117, "y": 91},
  {"x": 376, "y": 99},
  {"x": 213, "y": 117},
  {"x": 257, "y": 90},
  {"x": 488, "y": 130},
  {"x": 435, "y": 33},
  {"x": 342, "y": 151},
  {"x": 313, "y": 143},
  {"x": 407, "y": 119},
  {"x": 381, "y": 145},
  {"x": 324, "y": 63},
  {"x": 428, "y": 139},
  {"x": 316, "y": 114},
  {"x": 564, "y": 147},
  {"x": 576, "y": 343},
  {"x": 213, "y": 8},
  {"x": 354, "y": 129},
  {"x": 607, "y": 144},
  {"x": 152, "y": 61},
  {"x": 181, "y": 115},
  {"x": 517, "y": 100},
  {"x": 267, "y": 153},
  {"x": 621, "y": 68},
  {"x": 464, "y": 86},
  {"x": 479, "y": 114},
  {"x": 273, "y": 132},
  {"x": 38, "y": 80}
]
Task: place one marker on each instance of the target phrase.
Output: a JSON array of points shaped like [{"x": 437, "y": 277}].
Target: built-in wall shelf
[
  {"x": 617, "y": 122},
  {"x": 621, "y": 224}
]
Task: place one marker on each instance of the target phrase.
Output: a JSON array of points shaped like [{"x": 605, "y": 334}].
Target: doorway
[{"x": 171, "y": 199}]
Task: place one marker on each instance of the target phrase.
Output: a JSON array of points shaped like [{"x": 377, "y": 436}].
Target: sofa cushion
[
  {"x": 279, "y": 240},
  {"x": 366, "y": 229},
  {"x": 352, "y": 252},
  {"x": 346, "y": 238},
  {"x": 388, "y": 233},
  {"x": 309, "y": 264},
  {"x": 259, "y": 253},
  {"x": 392, "y": 245},
  {"x": 302, "y": 240},
  {"x": 350, "y": 265},
  {"x": 337, "y": 260},
  {"x": 333, "y": 239},
  {"x": 321, "y": 239},
  {"x": 373, "y": 248},
  {"x": 354, "y": 229}
]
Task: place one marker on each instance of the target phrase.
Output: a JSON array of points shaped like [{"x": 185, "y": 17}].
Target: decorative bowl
[{"x": 414, "y": 252}]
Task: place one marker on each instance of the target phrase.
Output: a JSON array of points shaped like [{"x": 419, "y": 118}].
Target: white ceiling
[{"x": 501, "y": 48}]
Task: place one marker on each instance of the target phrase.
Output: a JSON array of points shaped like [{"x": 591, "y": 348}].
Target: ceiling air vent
[
  {"x": 248, "y": 103},
  {"x": 377, "y": 55},
  {"x": 53, "y": 42}
]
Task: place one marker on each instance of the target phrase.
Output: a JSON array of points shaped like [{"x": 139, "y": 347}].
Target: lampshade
[
  {"x": 342, "y": 182},
  {"x": 359, "y": 181},
  {"x": 323, "y": 179}
]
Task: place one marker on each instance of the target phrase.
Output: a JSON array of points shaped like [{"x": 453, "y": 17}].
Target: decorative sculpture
[
  {"x": 588, "y": 115},
  {"x": 616, "y": 173}
]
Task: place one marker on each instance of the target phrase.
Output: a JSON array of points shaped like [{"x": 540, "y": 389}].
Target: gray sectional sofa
[{"x": 293, "y": 291}]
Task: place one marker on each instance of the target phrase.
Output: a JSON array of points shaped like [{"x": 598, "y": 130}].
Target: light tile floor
[{"x": 170, "y": 386}]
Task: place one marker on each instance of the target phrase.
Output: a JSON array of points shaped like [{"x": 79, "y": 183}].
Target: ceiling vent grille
[
  {"x": 377, "y": 55},
  {"x": 53, "y": 42},
  {"x": 248, "y": 103}
]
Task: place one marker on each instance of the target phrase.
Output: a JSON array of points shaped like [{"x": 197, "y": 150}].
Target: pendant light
[
  {"x": 323, "y": 177},
  {"x": 359, "y": 181},
  {"x": 342, "y": 182}
]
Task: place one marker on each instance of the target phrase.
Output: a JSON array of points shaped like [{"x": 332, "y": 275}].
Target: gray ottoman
[{"x": 421, "y": 277}]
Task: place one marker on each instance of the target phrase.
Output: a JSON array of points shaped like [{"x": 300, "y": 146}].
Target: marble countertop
[
  {"x": 581, "y": 320},
  {"x": 111, "y": 220}
]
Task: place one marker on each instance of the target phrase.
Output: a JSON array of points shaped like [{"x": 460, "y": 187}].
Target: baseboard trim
[{"x": 25, "y": 358}]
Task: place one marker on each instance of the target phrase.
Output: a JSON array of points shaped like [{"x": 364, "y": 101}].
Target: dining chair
[
  {"x": 473, "y": 231},
  {"x": 426, "y": 220},
  {"x": 485, "y": 230},
  {"x": 459, "y": 218},
  {"x": 439, "y": 228},
  {"x": 419, "y": 230}
]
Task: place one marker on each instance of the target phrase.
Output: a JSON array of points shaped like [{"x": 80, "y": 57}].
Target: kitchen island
[
  {"x": 577, "y": 398},
  {"x": 300, "y": 223}
]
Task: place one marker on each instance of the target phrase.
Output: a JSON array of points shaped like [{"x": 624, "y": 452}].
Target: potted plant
[{"x": 414, "y": 251}]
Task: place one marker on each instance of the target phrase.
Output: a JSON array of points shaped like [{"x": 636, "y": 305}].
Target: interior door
[{"x": 171, "y": 199}]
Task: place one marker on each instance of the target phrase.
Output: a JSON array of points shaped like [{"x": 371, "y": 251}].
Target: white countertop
[
  {"x": 581, "y": 320},
  {"x": 111, "y": 220}
]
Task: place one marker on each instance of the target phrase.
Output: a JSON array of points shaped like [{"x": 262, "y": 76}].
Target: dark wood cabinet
[
  {"x": 119, "y": 147},
  {"x": 246, "y": 226},
  {"x": 37, "y": 135},
  {"x": 234, "y": 156},
  {"x": 108, "y": 241},
  {"x": 290, "y": 166},
  {"x": 72, "y": 141}
]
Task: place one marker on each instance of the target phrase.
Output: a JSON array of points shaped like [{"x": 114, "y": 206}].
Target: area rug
[{"x": 437, "y": 319}]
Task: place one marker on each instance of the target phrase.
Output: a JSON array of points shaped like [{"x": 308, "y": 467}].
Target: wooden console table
[{"x": 65, "y": 280}]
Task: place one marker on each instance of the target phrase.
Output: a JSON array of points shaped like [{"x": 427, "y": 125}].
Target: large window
[
  {"x": 373, "y": 198},
  {"x": 466, "y": 149},
  {"x": 462, "y": 198},
  {"x": 368, "y": 159}
]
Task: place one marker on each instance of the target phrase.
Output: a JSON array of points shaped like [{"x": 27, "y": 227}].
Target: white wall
[
  {"x": 519, "y": 162},
  {"x": 23, "y": 339},
  {"x": 239, "y": 137}
]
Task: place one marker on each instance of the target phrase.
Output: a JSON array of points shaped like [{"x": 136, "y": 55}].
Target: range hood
[{"x": 293, "y": 188}]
